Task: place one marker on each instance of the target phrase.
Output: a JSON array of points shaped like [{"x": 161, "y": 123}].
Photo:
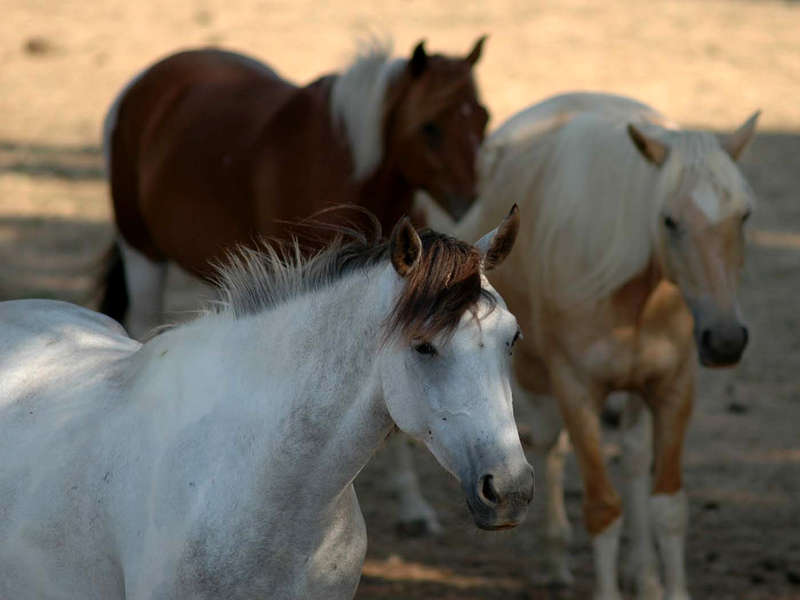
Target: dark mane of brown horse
[{"x": 445, "y": 284}]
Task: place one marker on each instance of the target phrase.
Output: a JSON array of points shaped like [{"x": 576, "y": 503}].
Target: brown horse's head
[{"x": 435, "y": 124}]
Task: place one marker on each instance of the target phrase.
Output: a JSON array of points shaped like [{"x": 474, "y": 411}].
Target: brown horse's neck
[
  {"x": 385, "y": 191},
  {"x": 387, "y": 194}
]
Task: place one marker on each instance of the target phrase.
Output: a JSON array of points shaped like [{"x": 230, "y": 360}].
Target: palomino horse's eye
[
  {"x": 670, "y": 224},
  {"x": 432, "y": 134},
  {"x": 426, "y": 348}
]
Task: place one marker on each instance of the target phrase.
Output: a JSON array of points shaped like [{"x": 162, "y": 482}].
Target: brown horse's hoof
[{"x": 417, "y": 528}]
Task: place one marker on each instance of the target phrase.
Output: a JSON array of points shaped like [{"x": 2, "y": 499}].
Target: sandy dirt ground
[{"x": 706, "y": 64}]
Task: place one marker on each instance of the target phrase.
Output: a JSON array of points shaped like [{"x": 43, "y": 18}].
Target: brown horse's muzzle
[{"x": 458, "y": 205}]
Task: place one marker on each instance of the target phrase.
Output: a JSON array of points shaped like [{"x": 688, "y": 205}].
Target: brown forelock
[{"x": 439, "y": 290}]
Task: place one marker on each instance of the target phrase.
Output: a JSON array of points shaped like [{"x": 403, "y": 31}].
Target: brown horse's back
[{"x": 186, "y": 135}]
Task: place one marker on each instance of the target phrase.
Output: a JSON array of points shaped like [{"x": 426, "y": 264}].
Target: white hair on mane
[
  {"x": 592, "y": 203},
  {"x": 253, "y": 279},
  {"x": 357, "y": 103}
]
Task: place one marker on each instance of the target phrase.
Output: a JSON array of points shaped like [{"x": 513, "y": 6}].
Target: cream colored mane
[{"x": 590, "y": 203}]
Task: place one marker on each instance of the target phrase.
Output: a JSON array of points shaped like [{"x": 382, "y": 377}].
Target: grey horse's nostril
[{"x": 488, "y": 494}]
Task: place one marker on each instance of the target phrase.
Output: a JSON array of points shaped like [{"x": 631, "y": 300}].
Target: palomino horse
[
  {"x": 217, "y": 459},
  {"x": 627, "y": 270},
  {"x": 207, "y": 149}
]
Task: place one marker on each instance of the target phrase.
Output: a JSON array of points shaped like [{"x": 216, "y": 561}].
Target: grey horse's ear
[
  {"x": 405, "y": 247},
  {"x": 735, "y": 143},
  {"x": 654, "y": 150},
  {"x": 496, "y": 245},
  {"x": 475, "y": 54}
]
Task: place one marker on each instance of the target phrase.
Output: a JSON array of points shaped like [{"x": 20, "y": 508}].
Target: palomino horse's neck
[{"x": 304, "y": 373}]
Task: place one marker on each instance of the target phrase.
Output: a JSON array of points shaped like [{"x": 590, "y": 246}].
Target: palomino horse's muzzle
[
  {"x": 499, "y": 502},
  {"x": 721, "y": 344}
]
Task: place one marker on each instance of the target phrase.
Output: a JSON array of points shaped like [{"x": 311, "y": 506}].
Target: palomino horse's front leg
[
  {"x": 416, "y": 517},
  {"x": 671, "y": 403},
  {"x": 640, "y": 567},
  {"x": 580, "y": 407}
]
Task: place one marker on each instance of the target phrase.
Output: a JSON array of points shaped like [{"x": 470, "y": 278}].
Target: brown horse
[{"x": 208, "y": 149}]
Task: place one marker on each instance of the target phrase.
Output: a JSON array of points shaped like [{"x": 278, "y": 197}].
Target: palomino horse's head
[
  {"x": 447, "y": 363},
  {"x": 435, "y": 126},
  {"x": 700, "y": 230}
]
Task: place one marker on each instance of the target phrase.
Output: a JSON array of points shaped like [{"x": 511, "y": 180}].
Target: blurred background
[{"x": 705, "y": 64}]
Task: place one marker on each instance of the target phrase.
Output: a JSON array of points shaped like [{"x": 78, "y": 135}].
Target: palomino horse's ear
[
  {"x": 419, "y": 60},
  {"x": 735, "y": 143},
  {"x": 496, "y": 245},
  {"x": 405, "y": 247},
  {"x": 655, "y": 151},
  {"x": 475, "y": 53}
]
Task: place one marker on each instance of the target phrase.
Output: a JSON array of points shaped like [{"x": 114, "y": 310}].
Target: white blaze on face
[{"x": 709, "y": 202}]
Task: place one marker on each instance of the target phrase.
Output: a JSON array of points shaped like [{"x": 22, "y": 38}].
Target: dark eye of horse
[
  {"x": 746, "y": 216},
  {"x": 433, "y": 134},
  {"x": 426, "y": 349},
  {"x": 517, "y": 336},
  {"x": 670, "y": 224}
]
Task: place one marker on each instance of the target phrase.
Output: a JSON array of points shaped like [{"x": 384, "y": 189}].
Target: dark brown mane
[{"x": 444, "y": 285}]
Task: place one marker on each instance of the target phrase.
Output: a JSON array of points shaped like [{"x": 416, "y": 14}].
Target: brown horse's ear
[
  {"x": 419, "y": 60},
  {"x": 496, "y": 245},
  {"x": 475, "y": 54},
  {"x": 655, "y": 151},
  {"x": 405, "y": 247},
  {"x": 735, "y": 143}
]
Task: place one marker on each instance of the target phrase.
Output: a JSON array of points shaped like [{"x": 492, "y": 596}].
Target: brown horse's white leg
[
  {"x": 672, "y": 407},
  {"x": 602, "y": 508},
  {"x": 640, "y": 568},
  {"x": 558, "y": 531},
  {"x": 145, "y": 281},
  {"x": 550, "y": 448},
  {"x": 415, "y": 517}
]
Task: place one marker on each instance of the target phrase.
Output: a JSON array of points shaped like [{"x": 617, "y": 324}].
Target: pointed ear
[
  {"x": 654, "y": 151},
  {"x": 475, "y": 53},
  {"x": 735, "y": 143},
  {"x": 496, "y": 245},
  {"x": 419, "y": 60},
  {"x": 405, "y": 247}
]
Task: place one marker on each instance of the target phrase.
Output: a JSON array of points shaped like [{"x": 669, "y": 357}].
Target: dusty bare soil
[{"x": 707, "y": 64}]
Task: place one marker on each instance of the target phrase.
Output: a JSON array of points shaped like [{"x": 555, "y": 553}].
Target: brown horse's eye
[
  {"x": 432, "y": 134},
  {"x": 426, "y": 348}
]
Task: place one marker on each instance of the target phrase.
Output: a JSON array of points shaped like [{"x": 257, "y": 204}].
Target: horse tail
[{"x": 115, "y": 300}]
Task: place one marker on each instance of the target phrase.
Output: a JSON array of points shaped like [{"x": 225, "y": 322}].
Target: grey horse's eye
[
  {"x": 517, "y": 336},
  {"x": 426, "y": 348}
]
